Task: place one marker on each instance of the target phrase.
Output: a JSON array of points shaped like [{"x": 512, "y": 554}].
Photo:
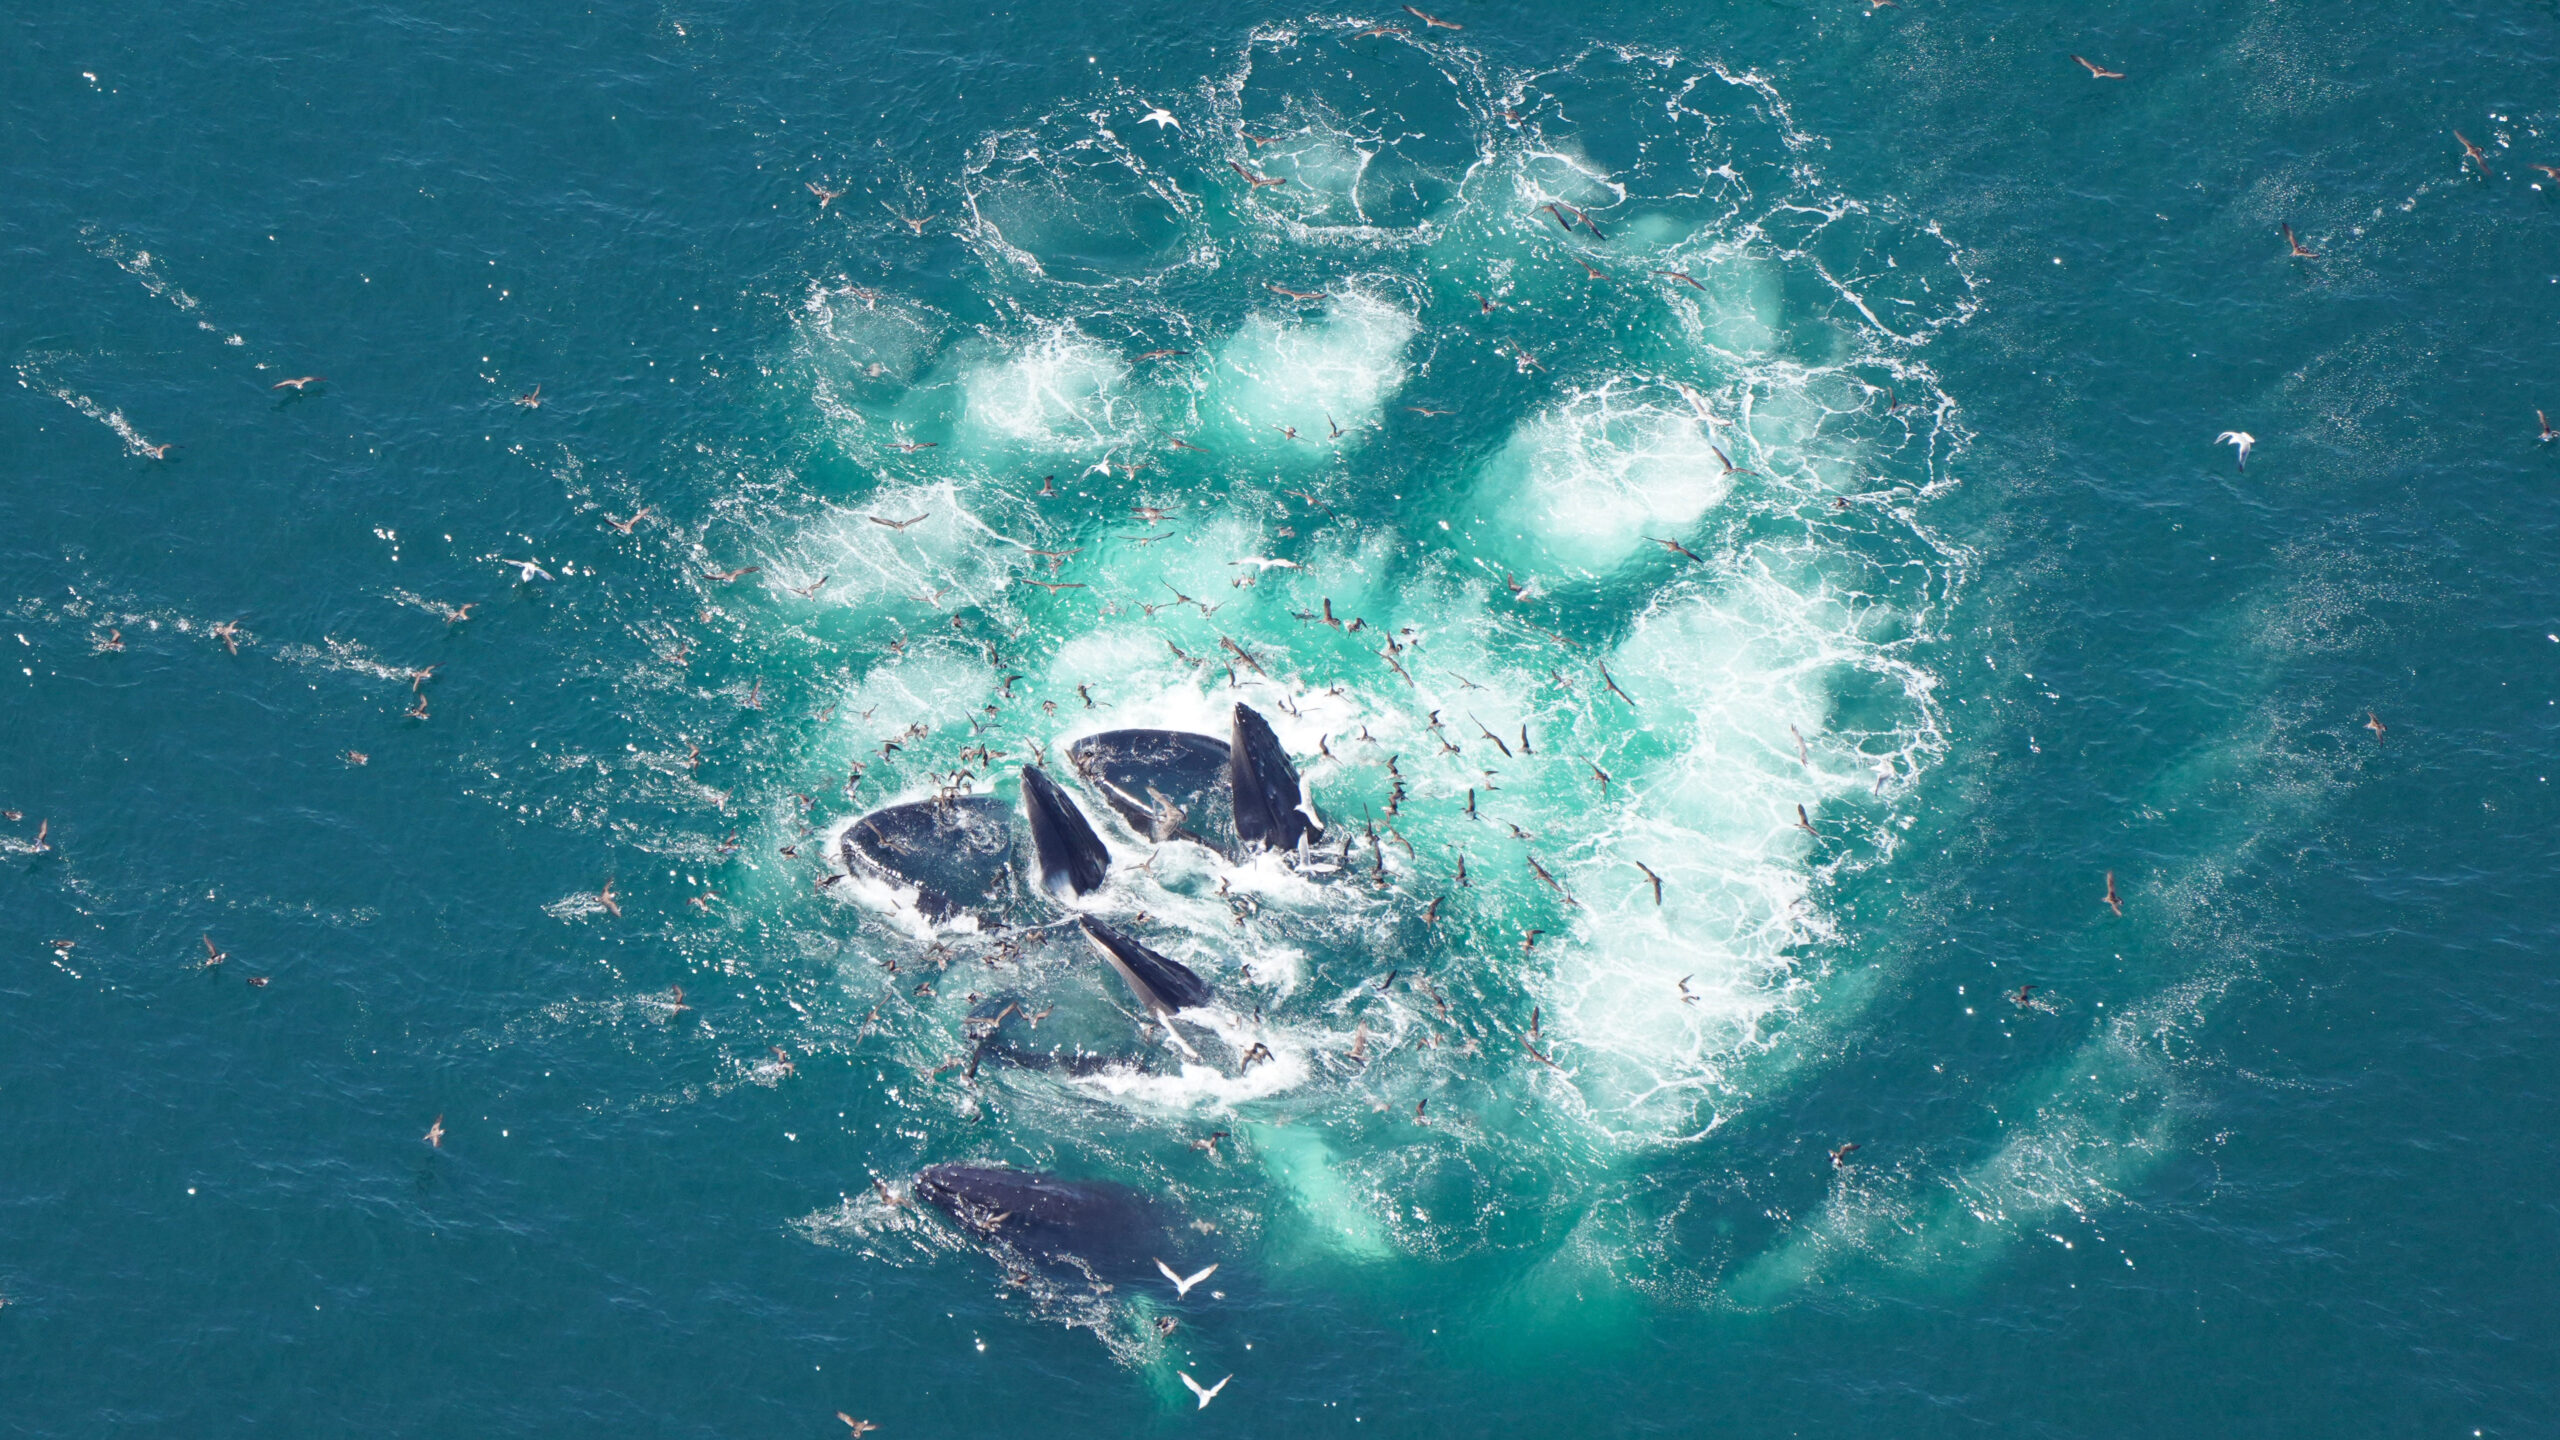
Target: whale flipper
[
  {"x": 956, "y": 853},
  {"x": 1265, "y": 786},
  {"x": 1161, "y": 983},
  {"x": 1071, "y": 858}
]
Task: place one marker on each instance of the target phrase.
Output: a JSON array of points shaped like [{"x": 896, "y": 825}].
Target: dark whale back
[
  {"x": 957, "y": 854},
  {"x": 1071, "y": 858},
  {"x": 1092, "y": 1220},
  {"x": 1265, "y": 785}
]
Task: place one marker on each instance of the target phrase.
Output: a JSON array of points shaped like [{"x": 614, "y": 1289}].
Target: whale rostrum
[
  {"x": 1071, "y": 858},
  {"x": 1265, "y": 785}
]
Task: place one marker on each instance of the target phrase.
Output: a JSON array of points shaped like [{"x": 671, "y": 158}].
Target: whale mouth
[
  {"x": 1163, "y": 784},
  {"x": 954, "y": 855}
]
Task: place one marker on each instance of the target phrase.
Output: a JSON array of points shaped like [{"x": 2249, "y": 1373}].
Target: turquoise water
[{"x": 1929, "y": 405}]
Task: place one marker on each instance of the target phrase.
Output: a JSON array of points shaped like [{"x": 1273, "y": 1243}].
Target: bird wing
[
  {"x": 1195, "y": 1385},
  {"x": 1169, "y": 1275},
  {"x": 1196, "y": 1279}
]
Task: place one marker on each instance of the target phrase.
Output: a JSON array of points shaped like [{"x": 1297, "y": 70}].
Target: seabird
[
  {"x": 1159, "y": 117},
  {"x": 2099, "y": 72},
  {"x": 1182, "y": 1283},
  {"x": 900, "y": 524},
  {"x": 435, "y": 1133},
  {"x": 1432, "y": 22},
  {"x": 1676, "y": 548},
  {"x": 1683, "y": 276},
  {"x": 2114, "y": 902},
  {"x": 2238, "y": 440},
  {"x": 2477, "y": 155},
  {"x": 643, "y": 513},
  {"x": 1205, "y": 1395},
  {"x": 2548, "y": 434},
  {"x": 2374, "y": 723},
  {"x": 212, "y": 957},
  {"x": 531, "y": 399},
  {"x": 2295, "y": 246},
  {"x": 605, "y": 898},
  {"x": 228, "y": 632},
  {"x": 1650, "y": 876},
  {"x": 1840, "y": 1157},
  {"x": 860, "y": 1427},
  {"x": 295, "y": 384},
  {"x": 526, "y": 571},
  {"x": 825, "y": 196}
]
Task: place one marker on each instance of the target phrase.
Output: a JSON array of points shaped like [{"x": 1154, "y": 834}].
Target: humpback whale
[
  {"x": 1161, "y": 983},
  {"x": 1071, "y": 858},
  {"x": 1166, "y": 784},
  {"x": 956, "y": 852},
  {"x": 1265, "y": 787},
  {"x": 1102, "y": 1224}
]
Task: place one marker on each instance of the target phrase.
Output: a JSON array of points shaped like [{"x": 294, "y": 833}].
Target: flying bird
[
  {"x": 2374, "y": 723},
  {"x": 900, "y": 524},
  {"x": 2548, "y": 434},
  {"x": 1683, "y": 276},
  {"x": 295, "y": 384},
  {"x": 1676, "y": 548},
  {"x": 527, "y": 571},
  {"x": 1182, "y": 1283},
  {"x": 1650, "y": 876},
  {"x": 1159, "y": 117},
  {"x": 1258, "y": 180},
  {"x": 1205, "y": 1395},
  {"x": 1840, "y": 1157},
  {"x": 1296, "y": 294},
  {"x": 2114, "y": 901},
  {"x": 156, "y": 452},
  {"x": 2295, "y": 246},
  {"x": 643, "y": 513},
  {"x": 860, "y": 1427},
  {"x": 2238, "y": 440},
  {"x": 212, "y": 957},
  {"x": 531, "y": 399},
  {"x": 1804, "y": 822},
  {"x": 2099, "y": 72},
  {"x": 1432, "y": 22},
  {"x": 435, "y": 1133},
  {"x": 825, "y": 196},
  {"x": 2477, "y": 155}
]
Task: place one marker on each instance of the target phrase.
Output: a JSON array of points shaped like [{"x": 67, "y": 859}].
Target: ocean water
[{"x": 1910, "y": 333}]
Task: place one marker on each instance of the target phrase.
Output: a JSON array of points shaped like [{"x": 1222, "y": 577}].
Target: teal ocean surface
[{"x": 1867, "y": 876}]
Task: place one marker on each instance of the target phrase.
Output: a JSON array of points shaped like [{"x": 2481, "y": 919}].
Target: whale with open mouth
[{"x": 955, "y": 854}]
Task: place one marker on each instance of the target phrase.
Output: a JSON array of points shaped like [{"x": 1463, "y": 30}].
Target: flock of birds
[{"x": 528, "y": 571}]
